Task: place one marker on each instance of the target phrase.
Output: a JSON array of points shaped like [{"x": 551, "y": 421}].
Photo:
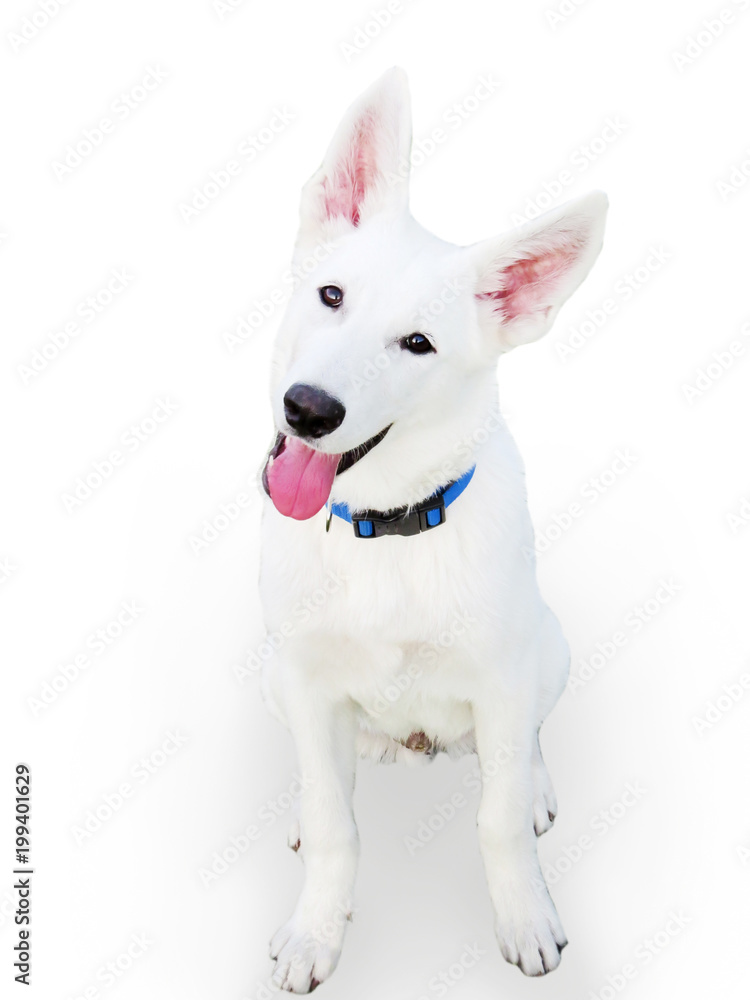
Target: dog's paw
[
  {"x": 305, "y": 957},
  {"x": 532, "y": 936},
  {"x": 294, "y": 837},
  {"x": 545, "y": 800}
]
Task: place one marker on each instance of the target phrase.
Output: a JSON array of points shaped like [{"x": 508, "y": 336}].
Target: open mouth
[{"x": 298, "y": 479}]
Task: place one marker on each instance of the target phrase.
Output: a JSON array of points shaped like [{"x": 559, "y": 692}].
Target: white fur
[{"x": 491, "y": 686}]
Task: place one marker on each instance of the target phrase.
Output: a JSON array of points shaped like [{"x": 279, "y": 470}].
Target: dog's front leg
[
  {"x": 528, "y": 928},
  {"x": 308, "y": 945}
]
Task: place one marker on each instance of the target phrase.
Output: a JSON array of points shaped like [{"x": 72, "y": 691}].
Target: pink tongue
[{"x": 300, "y": 479}]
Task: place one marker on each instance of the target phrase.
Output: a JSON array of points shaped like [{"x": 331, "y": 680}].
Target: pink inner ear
[
  {"x": 345, "y": 190},
  {"x": 525, "y": 286}
]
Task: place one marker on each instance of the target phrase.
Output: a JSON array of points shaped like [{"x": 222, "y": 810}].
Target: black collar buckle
[{"x": 402, "y": 521}]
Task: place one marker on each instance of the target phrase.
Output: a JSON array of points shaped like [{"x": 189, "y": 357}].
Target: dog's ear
[
  {"x": 524, "y": 277},
  {"x": 366, "y": 168}
]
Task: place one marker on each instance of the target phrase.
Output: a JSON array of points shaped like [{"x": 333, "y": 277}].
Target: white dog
[{"x": 396, "y": 534}]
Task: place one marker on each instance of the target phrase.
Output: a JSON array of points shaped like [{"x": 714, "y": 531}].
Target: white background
[{"x": 680, "y": 846}]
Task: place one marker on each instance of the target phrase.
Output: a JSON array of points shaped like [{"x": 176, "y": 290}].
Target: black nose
[{"x": 312, "y": 412}]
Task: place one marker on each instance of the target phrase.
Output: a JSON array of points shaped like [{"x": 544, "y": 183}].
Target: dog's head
[{"x": 393, "y": 332}]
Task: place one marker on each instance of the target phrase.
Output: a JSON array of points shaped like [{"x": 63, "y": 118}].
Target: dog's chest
[
  {"x": 396, "y": 590},
  {"x": 412, "y": 705}
]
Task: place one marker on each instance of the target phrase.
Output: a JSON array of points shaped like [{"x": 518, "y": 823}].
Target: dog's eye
[
  {"x": 417, "y": 343},
  {"x": 331, "y": 296}
]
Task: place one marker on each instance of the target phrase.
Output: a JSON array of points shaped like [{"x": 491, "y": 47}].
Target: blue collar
[{"x": 408, "y": 520}]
